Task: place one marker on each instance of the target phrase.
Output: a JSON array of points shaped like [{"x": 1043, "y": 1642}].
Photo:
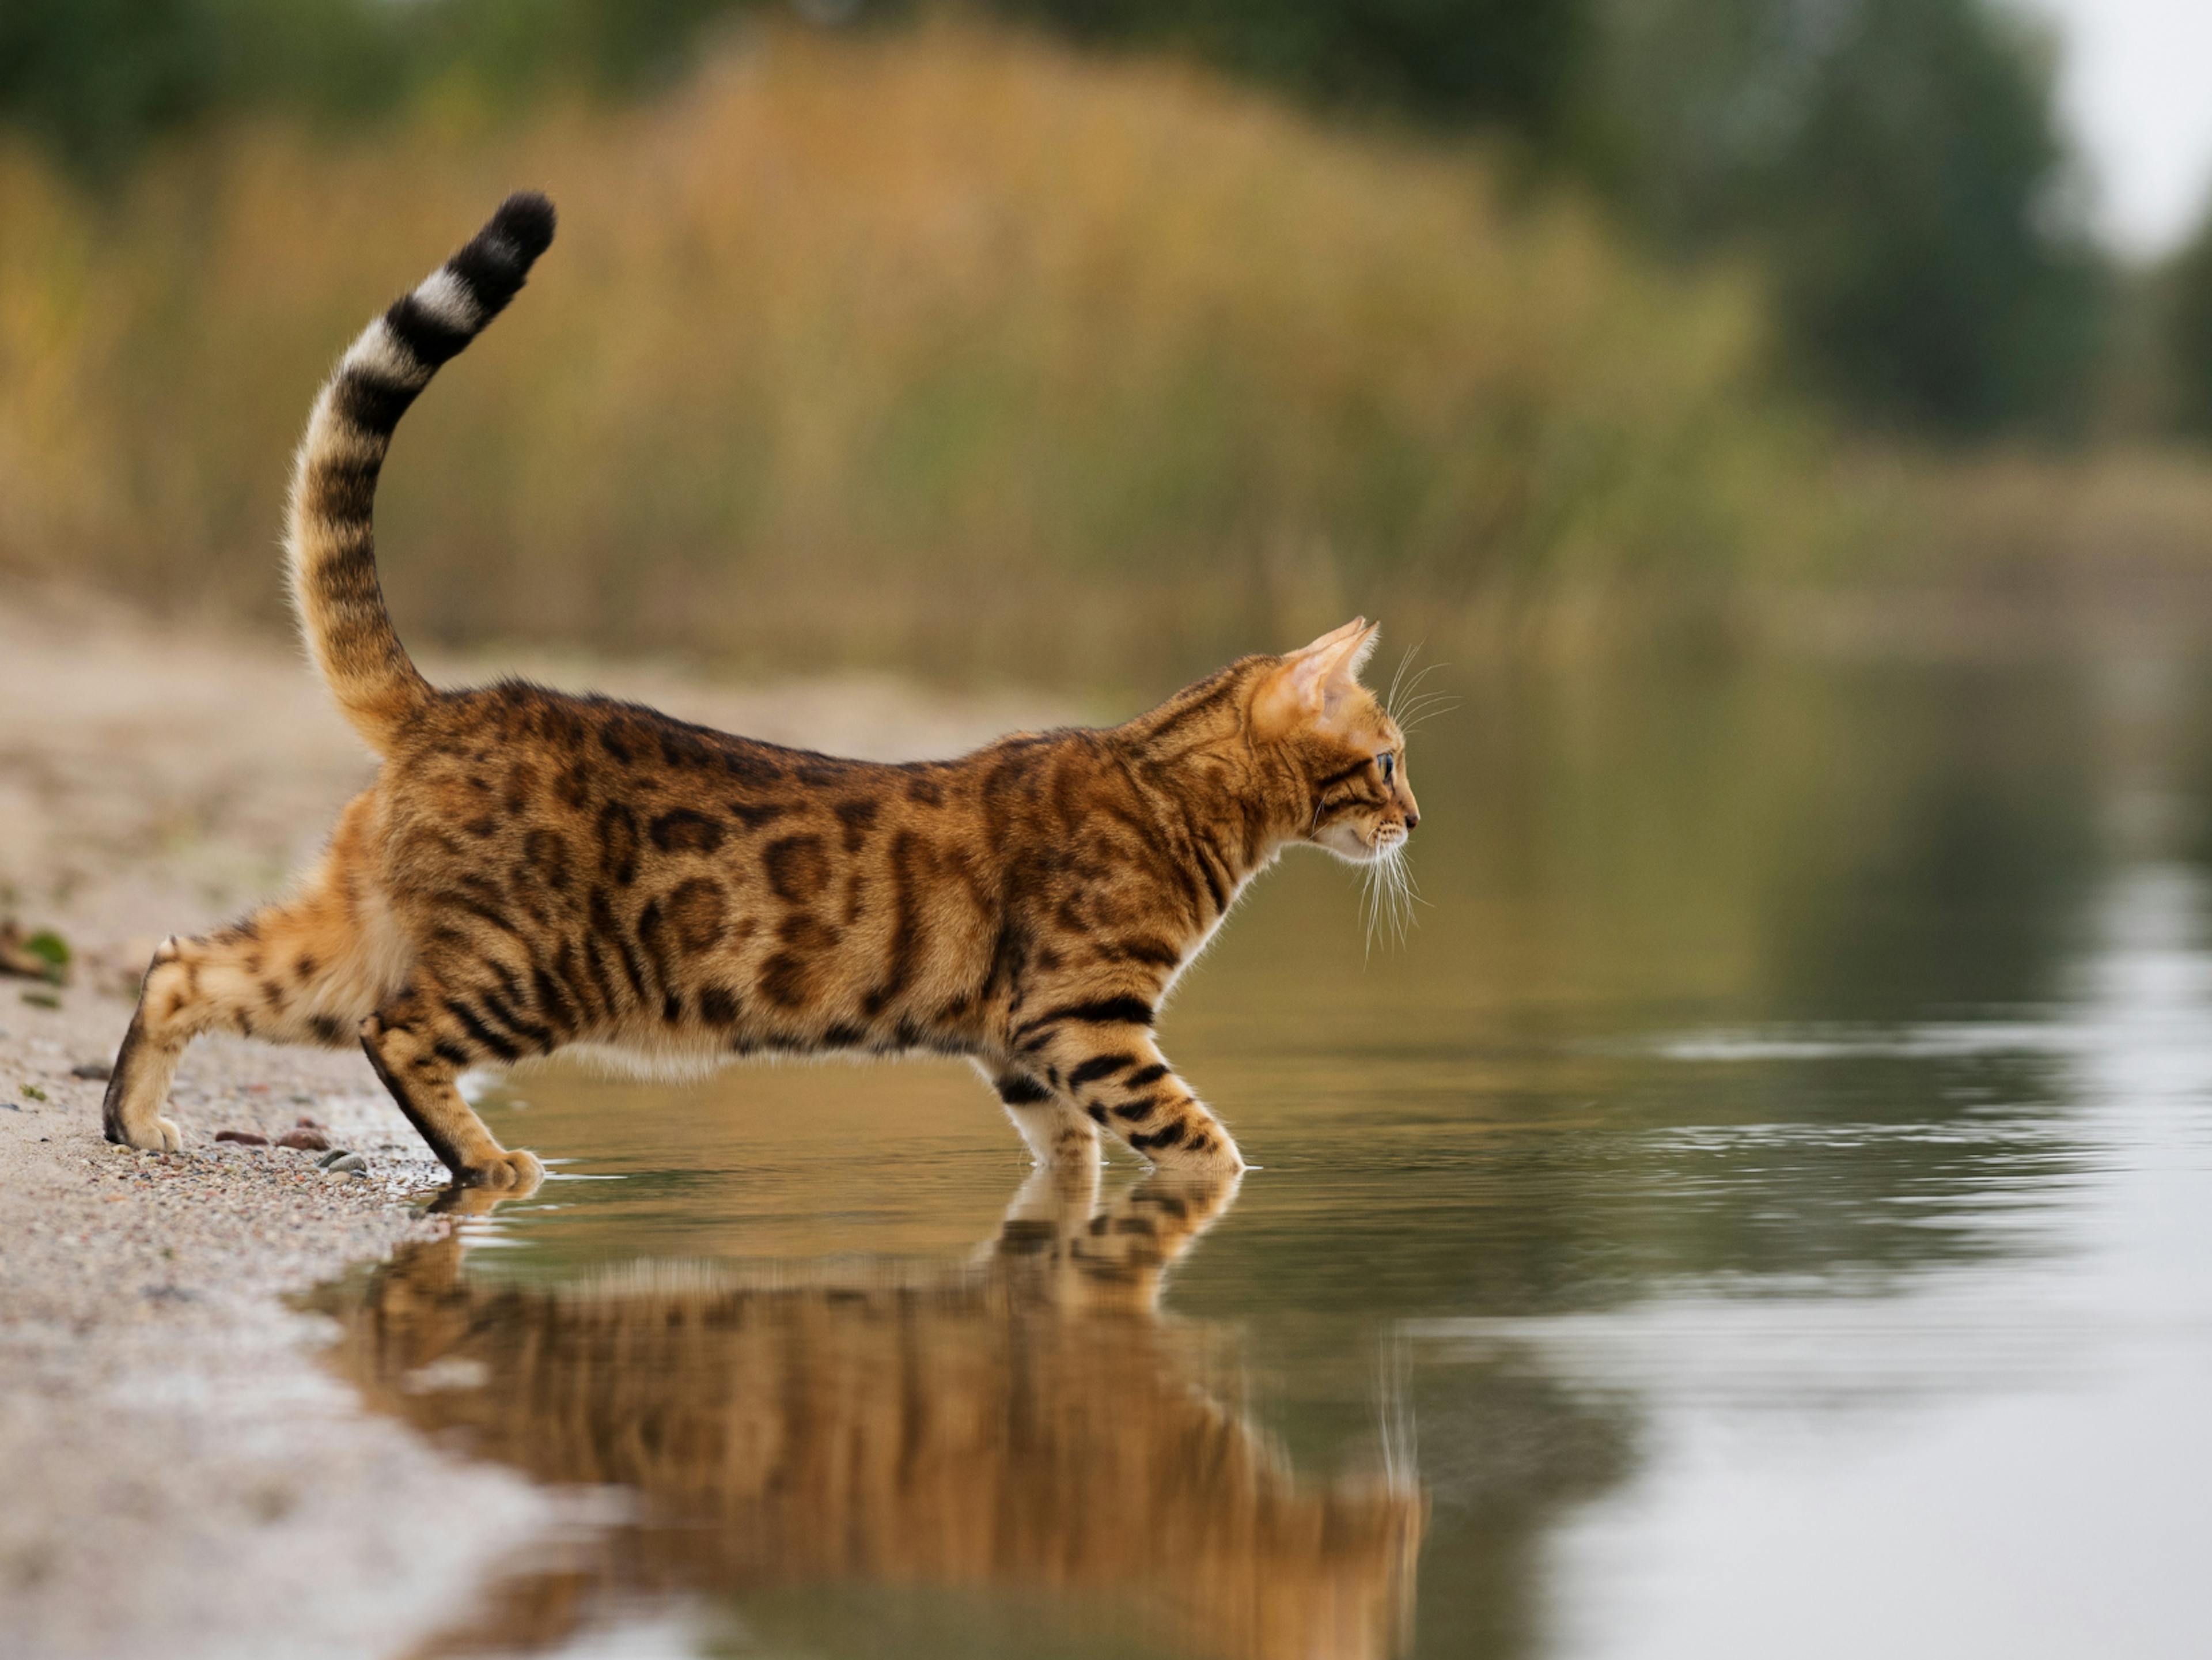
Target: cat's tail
[{"x": 329, "y": 539}]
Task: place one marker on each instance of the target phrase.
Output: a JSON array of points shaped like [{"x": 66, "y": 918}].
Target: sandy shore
[{"x": 176, "y": 1475}]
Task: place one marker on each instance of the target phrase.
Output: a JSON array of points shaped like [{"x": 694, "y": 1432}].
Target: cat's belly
[
  {"x": 669, "y": 1061},
  {"x": 673, "y": 1060}
]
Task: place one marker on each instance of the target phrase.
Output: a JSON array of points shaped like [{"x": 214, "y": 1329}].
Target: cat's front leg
[
  {"x": 1103, "y": 1060},
  {"x": 1057, "y": 1133}
]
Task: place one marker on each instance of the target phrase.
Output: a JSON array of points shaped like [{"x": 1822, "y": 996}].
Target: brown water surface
[{"x": 1764, "y": 1206}]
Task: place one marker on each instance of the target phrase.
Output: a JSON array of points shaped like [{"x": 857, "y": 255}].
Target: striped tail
[{"x": 329, "y": 538}]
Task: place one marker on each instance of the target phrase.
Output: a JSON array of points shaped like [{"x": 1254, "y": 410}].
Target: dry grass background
[{"x": 942, "y": 348}]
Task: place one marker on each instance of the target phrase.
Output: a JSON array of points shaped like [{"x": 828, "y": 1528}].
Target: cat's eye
[{"x": 1389, "y": 764}]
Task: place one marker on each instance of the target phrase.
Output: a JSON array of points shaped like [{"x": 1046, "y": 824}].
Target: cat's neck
[{"x": 1204, "y": 781}]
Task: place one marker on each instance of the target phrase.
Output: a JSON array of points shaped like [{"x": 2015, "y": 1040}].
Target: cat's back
[{"x": 768, "y": 894}]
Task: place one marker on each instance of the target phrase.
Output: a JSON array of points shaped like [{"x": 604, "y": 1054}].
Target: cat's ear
[{"x": 1311, "y": 677}]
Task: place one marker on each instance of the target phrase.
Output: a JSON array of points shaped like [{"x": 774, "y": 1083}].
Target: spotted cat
[{"x": 531, "y": 870}]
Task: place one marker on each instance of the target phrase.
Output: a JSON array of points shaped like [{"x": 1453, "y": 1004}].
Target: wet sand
[{"x": 181, "y": 1477}]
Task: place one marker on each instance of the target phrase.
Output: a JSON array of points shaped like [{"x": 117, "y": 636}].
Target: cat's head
[{"x": 1311, "y": 709}]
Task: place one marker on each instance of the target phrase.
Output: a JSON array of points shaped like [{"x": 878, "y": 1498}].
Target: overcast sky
[{"x": 2136, "y": 83}]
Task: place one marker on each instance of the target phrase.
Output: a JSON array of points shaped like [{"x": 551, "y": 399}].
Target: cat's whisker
[
  {"x": 1403, "y": 896},
  {"x": 1388, "y": 896},
  {"x": 1408, "y": 689},
  {"x": 1390, "y": 697},
  {"x": 1414, "y": 894},
  {"x": 1413, "y": 684},
  {"x": 1370, "y": 903}
]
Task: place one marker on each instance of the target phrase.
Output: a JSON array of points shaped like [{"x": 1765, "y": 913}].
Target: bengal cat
[{"x": 531, "y": 870}]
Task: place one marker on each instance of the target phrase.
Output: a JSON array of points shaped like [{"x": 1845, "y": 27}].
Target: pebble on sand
[
  {"x": 244, "y": 1138},
  {"x": 306, "y": 1140}
]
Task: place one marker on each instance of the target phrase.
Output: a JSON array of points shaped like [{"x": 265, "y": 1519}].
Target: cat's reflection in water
[{"x": 1027, "y": 1420}]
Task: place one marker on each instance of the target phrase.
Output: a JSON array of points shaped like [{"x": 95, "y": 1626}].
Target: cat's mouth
[{"x": 1363, "y": 847}]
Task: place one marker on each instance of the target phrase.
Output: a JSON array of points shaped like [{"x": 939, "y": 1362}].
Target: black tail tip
[{"x": 526, "y": 219}]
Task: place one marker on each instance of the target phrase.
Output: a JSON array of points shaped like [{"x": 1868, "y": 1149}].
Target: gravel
[{"x": 161, "y": 1406}]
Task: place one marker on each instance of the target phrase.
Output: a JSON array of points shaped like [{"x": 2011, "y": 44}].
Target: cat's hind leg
[{"x": 305, "y": 971}]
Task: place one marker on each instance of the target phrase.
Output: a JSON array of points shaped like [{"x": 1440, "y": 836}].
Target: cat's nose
[{"x": 1412, "y": 820}]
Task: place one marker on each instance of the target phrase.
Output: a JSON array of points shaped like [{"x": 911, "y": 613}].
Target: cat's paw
[
  {"x": 159, "y": 1136},
  {"x": 511, "y": 1174},
  {"x": 1212, "y": 1155}
]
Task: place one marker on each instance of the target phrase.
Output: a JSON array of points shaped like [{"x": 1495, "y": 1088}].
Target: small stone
[
  {"x": 244, "y": 1138},
  {"x": 351, "y": 1163},
  {"x": 306, "y": 1140},
  {"x": 307, "y": 1123},
  {"x": 93, "y": 1072}
]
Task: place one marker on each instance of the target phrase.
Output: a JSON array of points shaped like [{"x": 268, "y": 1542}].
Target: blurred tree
[
  {"x": 96, "y": 77},
  {"x": 96, "y": 80},
  {"x": 2184, "y": 328},
  {"x": 1897, "y": 166},
  {"x": 1510, "y": 63},
  {"x": 615, "y": 44}
]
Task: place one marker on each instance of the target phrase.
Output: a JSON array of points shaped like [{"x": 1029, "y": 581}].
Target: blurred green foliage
[
  {"x": 98, "y": 80},
  {"x": 950, "y": 346},
  {"x": 1895, "y": 165},
  {"x": 1511, "y": 64},
  {"x": 2185, "y": 331},
  {"x": 62, "y": 77}
]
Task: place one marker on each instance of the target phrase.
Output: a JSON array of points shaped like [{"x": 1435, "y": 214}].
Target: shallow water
[{"x": 1765, "y": 1207}]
